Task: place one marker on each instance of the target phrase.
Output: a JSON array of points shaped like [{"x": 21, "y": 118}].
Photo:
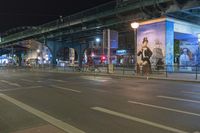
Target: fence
[{"x": 176, "y": 72}]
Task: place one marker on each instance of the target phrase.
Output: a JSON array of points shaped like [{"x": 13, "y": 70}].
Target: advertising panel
[
  {"x": 113, "y": 37},
  {"x": 151, "y": 46},
  {"x": 189, "y": 55},
  {"x": 187, "y": 51}
]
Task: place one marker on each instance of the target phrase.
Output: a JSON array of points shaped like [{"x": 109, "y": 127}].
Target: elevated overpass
[
  {"x": 77, "y": 29},
  {"x": 97, "y": 17}
]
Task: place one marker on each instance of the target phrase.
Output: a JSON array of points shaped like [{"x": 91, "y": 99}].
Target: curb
[{"x": 122, "y": 76}]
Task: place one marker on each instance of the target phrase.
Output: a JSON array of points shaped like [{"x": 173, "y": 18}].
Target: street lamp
[
  {"x": 38, "y": 51},
  {"x": 135, "y": 26},
  {"x": 98, "y": 40}
]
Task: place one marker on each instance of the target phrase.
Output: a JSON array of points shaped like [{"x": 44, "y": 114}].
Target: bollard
[
  {"x": 123, "y": 70},
  {"x": 196, "y": 72}
]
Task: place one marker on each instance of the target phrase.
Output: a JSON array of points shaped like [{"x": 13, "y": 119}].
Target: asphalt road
[{"x": 88, "y": 104}]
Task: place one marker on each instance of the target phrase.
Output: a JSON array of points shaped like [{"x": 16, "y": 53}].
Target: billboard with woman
[{"x": 151, "y": 46}]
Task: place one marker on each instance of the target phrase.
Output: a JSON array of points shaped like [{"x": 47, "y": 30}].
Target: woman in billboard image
[
  {"x": 184, "y": 58},
  {"x": 145, "y": 54},
  {"x": 157, "y": 57}
]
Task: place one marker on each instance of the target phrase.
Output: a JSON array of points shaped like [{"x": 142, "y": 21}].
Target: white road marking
[
  {"x": 157, "y": 125},
  {"x": 179, "y": 99},
  {"x": 101, "y": 77},
  {"x": 32, "y": 87},
  {"x": 22, "y": 88},
  {"x": 26, "y": 80},
  {"x": 40, "y": 81},
  {"x": 98, "y": 90},
  {"x": 62, "y": 81},
  {"x": 10, "y": 83},
  {"x": 196, "y": 132},
  {"x": 194, "y": 93},
  {"x": 56, "y": 122},
  {"x": 98, "y": 79},
  {"x": 191, "y": 85},
  {"x": 64, "y": 88},
  {"x": 165, "y": 108}
]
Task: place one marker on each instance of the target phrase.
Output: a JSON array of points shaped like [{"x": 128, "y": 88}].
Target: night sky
[{"x": 16, "y": 13}]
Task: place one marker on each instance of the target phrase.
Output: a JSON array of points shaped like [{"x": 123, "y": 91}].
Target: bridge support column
[
  {"x": 19, "y": 55},
  {"x": 80, "y": 50},
  {"x": 54, "y": 53},
  {"x": 80, "y": 59},
  {"x": 54, "y": 47}
]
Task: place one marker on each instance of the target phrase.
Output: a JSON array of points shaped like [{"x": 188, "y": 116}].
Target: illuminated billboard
[{"x": 151, "y": 44}]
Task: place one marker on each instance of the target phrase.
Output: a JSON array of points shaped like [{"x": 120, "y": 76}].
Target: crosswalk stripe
[
  {"x": 157, "y": 125},
  {"x": 56, "y": 122}
]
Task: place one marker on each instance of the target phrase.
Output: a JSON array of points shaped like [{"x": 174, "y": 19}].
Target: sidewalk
[{"x": 185, "y": 77}]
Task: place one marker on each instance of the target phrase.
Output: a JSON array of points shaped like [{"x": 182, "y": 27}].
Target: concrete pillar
[
  {"x": 71, "y": 55},
  {"x": 80, "y": 54},
  {"x": 80, "y": 58},
  {"x": 54, "y": 54},
  {"x": 80, "y": 51},
  {"x": 54, "y": 46},
  {"x": 19, "y": 55}
]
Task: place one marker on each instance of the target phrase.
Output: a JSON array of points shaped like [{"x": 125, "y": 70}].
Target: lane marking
[
  {"x": 98, "y": 90},
  {"x": 138, "y": 120},
  {"x": 178, "y": 99},
  {"x": 97, "y": 79},
  {"x": 64, "y": 88},
  {"x": 194, "y": 93},
  {"x": 32, "y": 87},
  {"x": 23, "y": 88},
  {"x": 191, "y": 85},
  {"x": 165, "y": 108},
  {"x": 56, "y": 122},
  {"x": 10, "y": 83},
  {"x": 26, "y": 80},
  {"x": 62, "y": 81}
]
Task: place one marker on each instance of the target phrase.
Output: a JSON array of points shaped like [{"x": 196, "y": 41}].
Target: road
[{"x": 61, "y": 103}]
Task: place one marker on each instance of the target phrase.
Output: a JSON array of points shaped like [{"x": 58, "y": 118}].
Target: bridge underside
[
  {"x": 189, "y": 15},
  {"x": 79, "y": 36}
]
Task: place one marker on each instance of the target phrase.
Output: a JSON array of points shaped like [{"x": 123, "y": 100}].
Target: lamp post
[
  {"x": 135, "y": 26},
  {"x": 98, "y": 40}
]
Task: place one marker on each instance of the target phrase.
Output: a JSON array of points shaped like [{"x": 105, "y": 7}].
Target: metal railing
[{"x": 164, "y": 71}]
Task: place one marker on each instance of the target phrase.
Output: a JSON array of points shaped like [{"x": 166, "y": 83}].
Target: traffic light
[{"x": 103, "y": 58}]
